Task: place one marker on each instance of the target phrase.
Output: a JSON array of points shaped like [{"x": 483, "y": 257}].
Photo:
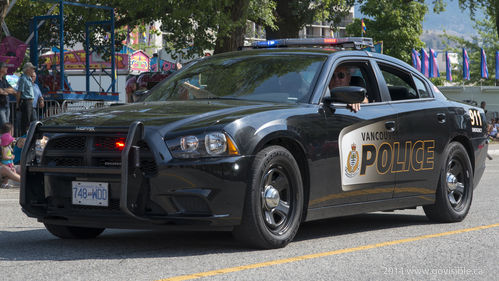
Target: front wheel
[
  {"x": 274, "y": 202},
  {"x": 73, "y": 232},
  {"x": 455, "y": 188}
]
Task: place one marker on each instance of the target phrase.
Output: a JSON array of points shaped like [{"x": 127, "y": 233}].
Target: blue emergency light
[{"x": 357, "y": 43}]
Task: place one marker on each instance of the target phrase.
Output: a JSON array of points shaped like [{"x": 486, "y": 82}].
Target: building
[{"x": 322, "y": 29}]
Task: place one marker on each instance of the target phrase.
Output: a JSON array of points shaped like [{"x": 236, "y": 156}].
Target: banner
[
  {"x": 448, "y": 68},
  {"x": 425, "y": 63},
  {"x": 76, "y": 60},
  {"x": 416, "y": 61},
  {"x": 466, "y": 65},
  {"x": 497, "y": 65},
  {"x": 433, "y": 64},
  {"x": 484, "y": 71}
]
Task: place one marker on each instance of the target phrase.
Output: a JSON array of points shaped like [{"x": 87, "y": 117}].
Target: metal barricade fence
[{"x": 51, "y": 108}]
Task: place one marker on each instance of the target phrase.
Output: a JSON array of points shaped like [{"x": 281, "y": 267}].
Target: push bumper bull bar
[{"x": 135, "y": 133}]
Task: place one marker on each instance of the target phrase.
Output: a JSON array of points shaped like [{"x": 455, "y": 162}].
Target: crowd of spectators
[{"x": 28, "y": 98}]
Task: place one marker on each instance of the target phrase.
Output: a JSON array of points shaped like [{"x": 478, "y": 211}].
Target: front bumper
[{"x": 149, "y": 189}]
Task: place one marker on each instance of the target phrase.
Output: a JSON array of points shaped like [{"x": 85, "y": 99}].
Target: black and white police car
[{"x": 256, "y": 142}]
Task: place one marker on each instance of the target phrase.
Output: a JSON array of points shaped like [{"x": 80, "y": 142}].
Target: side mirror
[{"x": 346, "y": 94}]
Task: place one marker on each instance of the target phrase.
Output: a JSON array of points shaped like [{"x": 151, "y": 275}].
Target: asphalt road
[{"x": 401, "y": 245}]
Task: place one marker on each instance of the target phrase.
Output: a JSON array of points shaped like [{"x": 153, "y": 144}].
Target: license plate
[{"x": 90, "y": 193}]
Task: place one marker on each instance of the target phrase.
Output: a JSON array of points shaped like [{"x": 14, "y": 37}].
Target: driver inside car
[{"x": 341, "y": 77}]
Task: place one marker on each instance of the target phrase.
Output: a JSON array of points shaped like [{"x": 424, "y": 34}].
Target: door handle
[
  {"x": 390, "y": 126},
  {"x": 441, "y": 117}
]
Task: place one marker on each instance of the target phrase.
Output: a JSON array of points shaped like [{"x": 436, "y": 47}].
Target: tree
[
  {"x": 491, "y": 7},
  {"x": 189, "y": 26},
  {"x": 292, "y": 15},
  {"x": 398, "y": 23},
  {"x": 192, "y": 26},
  {"x": 486, "y": 39}
]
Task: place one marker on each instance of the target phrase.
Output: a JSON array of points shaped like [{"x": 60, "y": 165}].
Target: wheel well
[
  {"x": 302, "y": 162},
  {"x": 467, "y": 144}
]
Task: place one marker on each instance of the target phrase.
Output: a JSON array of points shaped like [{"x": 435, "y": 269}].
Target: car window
[
  {"x": 399, "y": 83},
  {"x": 421, "y": 87},
  {"x": 357, "y": 73},
  {"x": 276, "y": 78}
]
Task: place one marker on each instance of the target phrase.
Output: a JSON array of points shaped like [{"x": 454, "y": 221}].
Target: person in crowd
[
  {"x": 341, "y": 77},
  {"x": 482, "y": 105},
  {"x": 38, "y": 101},
  {"x": 26, "y": 96},
  {"x": 8, "y": 170},
  {"x": 492, "y": 129},
  {"x": 130, "y": 88},
  {"x": 5, "y": 91},
  {"x": 18, "y": 148}
]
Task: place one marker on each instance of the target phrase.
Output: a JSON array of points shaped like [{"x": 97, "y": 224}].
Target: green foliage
[
  {"x": 397, "y": 23},
  {"x": 439, "y": 81},
  {"x": 191, "y": 26},
  {"x": 488, "y": 40},
  {"x": 491, "y": 7},
  {"x": 292, "y": 15}
]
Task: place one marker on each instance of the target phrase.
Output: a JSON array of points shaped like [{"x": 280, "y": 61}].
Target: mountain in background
[{"x": 453, "y": 21}]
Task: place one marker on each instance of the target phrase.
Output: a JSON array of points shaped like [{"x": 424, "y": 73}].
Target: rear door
[{"x": 421, "y": 130}]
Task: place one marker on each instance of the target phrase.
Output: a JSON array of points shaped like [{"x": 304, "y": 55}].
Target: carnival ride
[{"x": 54, "y": 82}]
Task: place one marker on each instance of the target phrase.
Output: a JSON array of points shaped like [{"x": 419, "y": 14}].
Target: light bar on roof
[{"x": 346, "y": 42}]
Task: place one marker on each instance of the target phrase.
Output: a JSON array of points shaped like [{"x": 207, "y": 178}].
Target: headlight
[
  {"x": 189, "y": 143},
  {"x": 215, "y": 143},
  {"x": 204, "y": 145}
]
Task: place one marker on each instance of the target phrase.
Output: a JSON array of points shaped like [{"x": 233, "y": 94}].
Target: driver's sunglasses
[{"x": 339, "y": 75}]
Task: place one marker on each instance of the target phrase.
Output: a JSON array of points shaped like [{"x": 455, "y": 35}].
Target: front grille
[
  {"x": 68, "y": 162},
  {"x": 105, "y": 143},
  {"x": 67, "y": 150},
  {"x": 108, "y": 162},
  {"x": 73, "y": 143},
  {"x": 114, "y": 205}
]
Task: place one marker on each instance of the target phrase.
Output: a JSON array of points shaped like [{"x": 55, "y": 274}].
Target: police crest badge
[{"x": 353, "y": 162}]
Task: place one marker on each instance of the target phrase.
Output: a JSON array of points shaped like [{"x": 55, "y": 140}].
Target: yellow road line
[{"x": 323, "y": 254}]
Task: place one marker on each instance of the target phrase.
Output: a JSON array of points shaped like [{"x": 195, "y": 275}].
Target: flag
[
  {"x": 364, "y": 28},
  {"x": 466, "y": 65},
  {"x": 448, "y": 68},
  {"x": 433, "y": 64},
  {"x": 497, "y": 65},
  {"x": 484, "y": 71},
  {"x": 425, "y": 63},
  {"x": 416, "y": 61}
]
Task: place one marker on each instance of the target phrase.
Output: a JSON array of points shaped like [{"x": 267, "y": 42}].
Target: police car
[{"x": 257, "y": 142}]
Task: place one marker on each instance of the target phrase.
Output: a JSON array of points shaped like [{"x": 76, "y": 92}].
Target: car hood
[{"x": 175, "y": 114}]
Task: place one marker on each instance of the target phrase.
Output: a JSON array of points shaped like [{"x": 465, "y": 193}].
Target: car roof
[{"x": 330, "y": 52}]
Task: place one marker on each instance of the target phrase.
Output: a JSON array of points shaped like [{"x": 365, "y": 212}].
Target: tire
[
  {"x": 73, "y": 232},
  {"x": 274, "y": 201},
  {"x": 455, "y": 187}
]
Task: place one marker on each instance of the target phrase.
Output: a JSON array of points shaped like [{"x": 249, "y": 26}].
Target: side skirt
[{"x": 371, "y": 206}]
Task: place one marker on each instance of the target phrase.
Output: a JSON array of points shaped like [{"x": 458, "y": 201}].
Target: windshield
[{"x": 276, "y": 78}]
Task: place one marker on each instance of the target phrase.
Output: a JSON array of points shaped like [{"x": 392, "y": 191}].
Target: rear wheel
[
  {"x": 73, "y": 232},
  {"x": 455, "y": 189},
  {"x": 274, "y": 203}
]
